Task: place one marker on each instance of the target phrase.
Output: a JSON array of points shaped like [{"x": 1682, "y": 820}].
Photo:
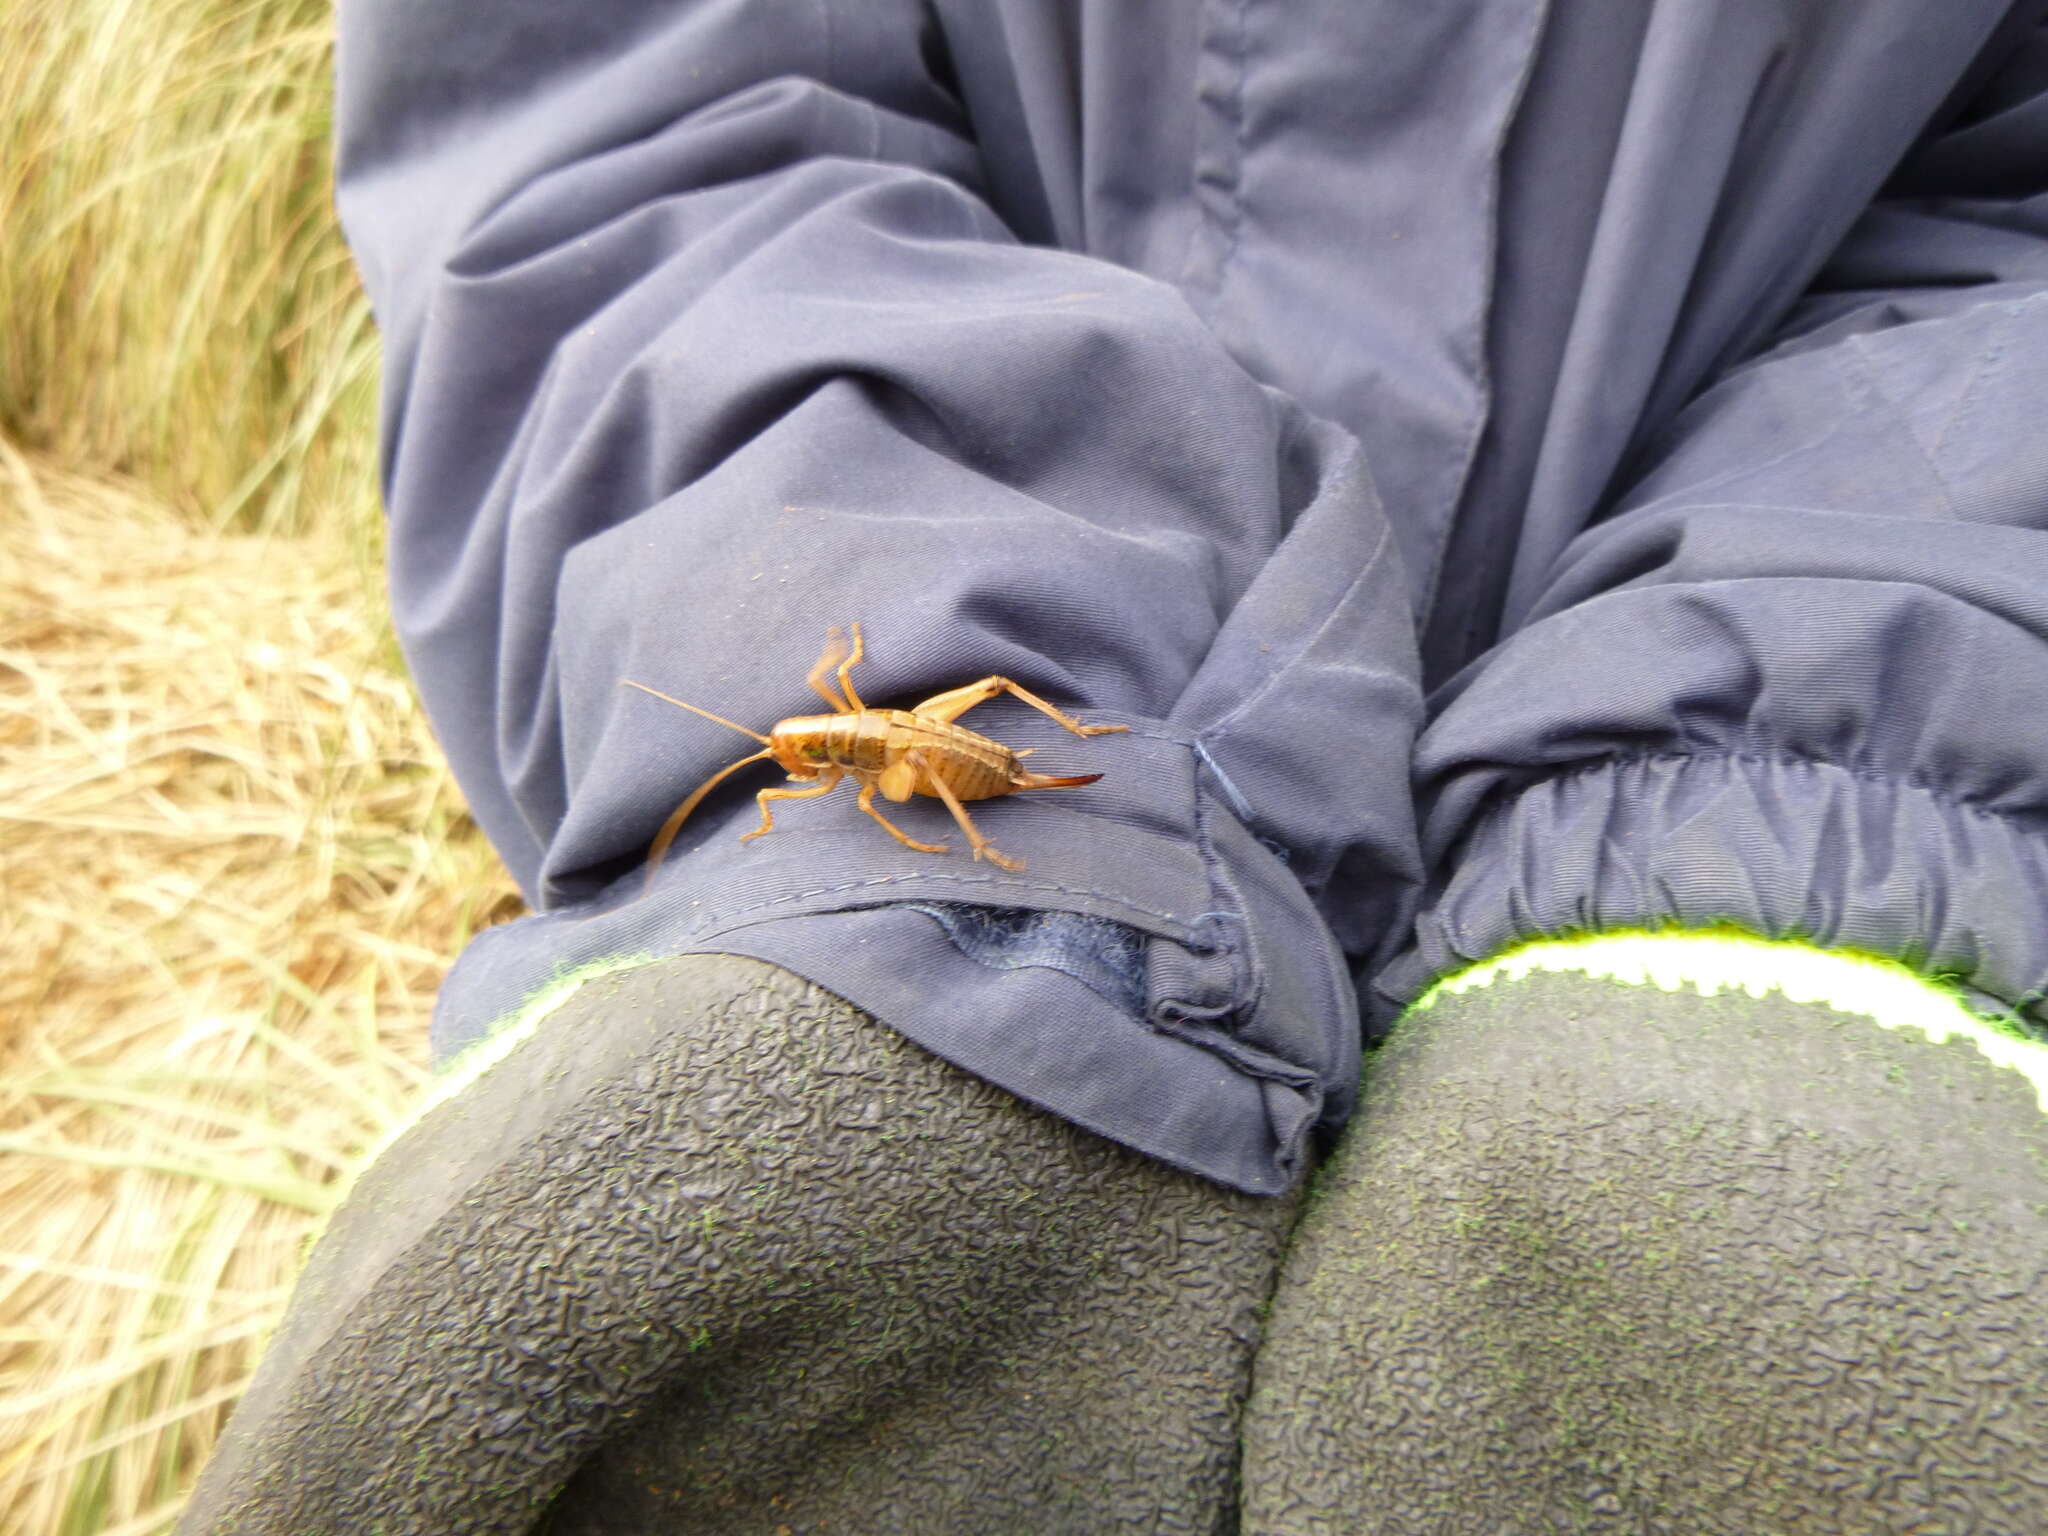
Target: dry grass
[
  {"x": 231, "y": 871},
  {"x": 232, "y": 866},
  {"x": 174, "y": 304}
]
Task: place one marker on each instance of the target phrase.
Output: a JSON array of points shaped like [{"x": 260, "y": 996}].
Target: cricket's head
[{"x": 800, "y": 745}]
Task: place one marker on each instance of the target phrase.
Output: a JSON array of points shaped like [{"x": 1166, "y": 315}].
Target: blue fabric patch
[{"x": 1106, "y": 957}]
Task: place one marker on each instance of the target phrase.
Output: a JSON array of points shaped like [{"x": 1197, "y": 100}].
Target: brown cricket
[{"x": 901, "y": 752}]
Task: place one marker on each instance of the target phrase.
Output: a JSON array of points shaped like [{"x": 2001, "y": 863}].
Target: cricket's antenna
[
  {"x": 674, "y": 824},
  {"x": 627, "y": 682}
]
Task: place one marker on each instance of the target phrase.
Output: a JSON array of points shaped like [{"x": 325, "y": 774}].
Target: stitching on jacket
[
  {"x": 1856, "y": 350},
  {"x": 1234, "y": 230},
  {"x": 1276, "y": 673},
  {"x": 1986, "y": 365},
  {"x": 1228, "y": 899},
  {"x": 1939, "y": 793},
  {"x": 1228, "y": 219},
  {"x": 713, "y": 922},
  {"x": 1232, "y": 795},
  {"x": 1431, "y": 587}
]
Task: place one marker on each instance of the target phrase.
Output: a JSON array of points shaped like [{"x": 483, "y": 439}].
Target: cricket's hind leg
[
  {"x": 952, "y": 704},
  {"x": 835, "y": 655},
  {"x": 983, "y": 848},
  {"x": 846, "y": 666}
]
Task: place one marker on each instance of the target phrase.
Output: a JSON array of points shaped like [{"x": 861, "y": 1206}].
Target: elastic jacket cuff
[{"x": 1778, "y": 846}]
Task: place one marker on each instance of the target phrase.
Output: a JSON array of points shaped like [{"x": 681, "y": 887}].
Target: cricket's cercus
[{"x": 901, "y": 752}]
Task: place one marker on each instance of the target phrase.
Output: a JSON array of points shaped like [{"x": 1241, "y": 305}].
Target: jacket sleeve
[
  {"x": 702, "y": 336},
  {"x": 1798, "y": 680}
]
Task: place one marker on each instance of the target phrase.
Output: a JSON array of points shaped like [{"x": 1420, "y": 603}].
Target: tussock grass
[
  {"x": 174, "y": 304},
  {"x": 232, "y": 864}
]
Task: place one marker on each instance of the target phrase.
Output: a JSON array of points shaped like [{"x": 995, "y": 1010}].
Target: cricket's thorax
[{"x": 870, "y": 741}]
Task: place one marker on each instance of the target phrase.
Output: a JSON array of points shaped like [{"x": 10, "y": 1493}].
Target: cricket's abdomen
[
  {"x": 871, "y": 740},
  {"x": 973, "y": 767}
]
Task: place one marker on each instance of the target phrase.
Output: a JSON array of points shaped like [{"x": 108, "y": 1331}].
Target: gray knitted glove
[
  {"x": 1606, "y": 1258},
  {"x": 714, "y": 1252}
]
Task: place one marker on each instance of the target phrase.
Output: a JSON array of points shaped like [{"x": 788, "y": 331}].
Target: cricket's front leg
[{"x": 824, "y": 786}]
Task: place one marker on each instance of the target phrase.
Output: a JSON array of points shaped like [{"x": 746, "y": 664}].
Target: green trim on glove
[
  {"x": 1727, "y": 960},
  {"x": 506, "y": 1036}
]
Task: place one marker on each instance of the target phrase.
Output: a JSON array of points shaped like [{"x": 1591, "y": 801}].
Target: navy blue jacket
[{"x": 1516, "y": 468}]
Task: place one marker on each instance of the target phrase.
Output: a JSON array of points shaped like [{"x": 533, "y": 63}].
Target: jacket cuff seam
[{"x": 1939, "y": 792}]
